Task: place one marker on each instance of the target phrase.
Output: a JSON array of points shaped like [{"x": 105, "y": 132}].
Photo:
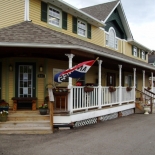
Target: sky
[{"x": 140, "y": 15}]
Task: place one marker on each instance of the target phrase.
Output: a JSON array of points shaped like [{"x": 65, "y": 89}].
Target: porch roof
[{"x": 27, "y": 34}]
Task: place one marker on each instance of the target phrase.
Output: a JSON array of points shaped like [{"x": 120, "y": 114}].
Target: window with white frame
[
  {"x": 82, "y": 27},
  {"x": 143, "y": 55},
  {"x": 111, "y": 39},
  {"x": 54, "y": 16},
  {"x": 135, "y": 51}
]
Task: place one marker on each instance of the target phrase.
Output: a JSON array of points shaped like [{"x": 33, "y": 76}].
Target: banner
[{"x": 74, "y": 72}]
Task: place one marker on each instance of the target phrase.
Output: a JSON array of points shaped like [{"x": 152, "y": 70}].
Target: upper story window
[
  {"x": 135, "y": 51},
  {"x": 143, "y": 55},
  {"x": 111, "y": 39},
  {"x": 53, "y": 16},
  {"x": 81, "y": 28}
]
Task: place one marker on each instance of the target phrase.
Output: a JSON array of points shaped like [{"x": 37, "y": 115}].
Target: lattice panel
[
  {"x": 85, "y": 122},
  {"x": 127, "y": 112},
  {"x": 109, "y": 117}
]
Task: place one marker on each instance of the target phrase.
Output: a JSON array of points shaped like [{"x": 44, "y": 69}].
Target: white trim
[
  {"x": 26, "y": 13},
  {"x": 89, "y": 50},
  {"x": 91, "y": 114}
]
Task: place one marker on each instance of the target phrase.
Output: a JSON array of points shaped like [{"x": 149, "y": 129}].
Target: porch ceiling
[{"x": 59, "y": 54}]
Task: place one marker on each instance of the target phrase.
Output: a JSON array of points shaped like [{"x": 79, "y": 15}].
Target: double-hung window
[
  {"x": 82, "y": 28},
  {"x": 54, "y": 16},
  {"x": 143, "y": 55},
  {"x": 135, "y": 51}
]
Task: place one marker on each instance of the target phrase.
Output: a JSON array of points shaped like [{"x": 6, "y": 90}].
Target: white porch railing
[
  {"x": 109, "y": 98},
  {"x": 127, "y": 96},
  {"x": 85, "y": 101}
]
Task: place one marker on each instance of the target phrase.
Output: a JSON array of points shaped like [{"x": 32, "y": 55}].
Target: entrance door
[
  {"x": 111, "y": 79},
  {"x": 25, "y": 80}
]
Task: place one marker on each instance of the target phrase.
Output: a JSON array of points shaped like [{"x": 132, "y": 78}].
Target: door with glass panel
[{"x": 26, "y": 80}]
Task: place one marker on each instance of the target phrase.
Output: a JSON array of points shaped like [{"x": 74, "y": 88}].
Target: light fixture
[
  {"x": 10, "y": 68},
  {"x": 41, "y": 68}
]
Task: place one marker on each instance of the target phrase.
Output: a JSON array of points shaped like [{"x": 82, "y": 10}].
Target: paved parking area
[{"x": 130, "y": 135}]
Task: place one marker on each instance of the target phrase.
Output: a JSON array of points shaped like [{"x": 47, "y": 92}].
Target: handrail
[
  {"x": 148, "y": 96},
  {"x": 149, "y": 91}
]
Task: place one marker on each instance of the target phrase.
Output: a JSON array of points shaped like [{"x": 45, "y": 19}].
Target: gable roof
[
  {"x": 27, "y": 34},
  {"x": 103, "y": 12},
  {"x": 100, "y": 11}
]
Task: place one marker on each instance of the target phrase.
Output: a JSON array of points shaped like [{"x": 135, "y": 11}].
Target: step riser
[
  {"x": 28, "y": 118},
  {"x": 22, "y": 125},
  {"x": 26, "y": 132}
]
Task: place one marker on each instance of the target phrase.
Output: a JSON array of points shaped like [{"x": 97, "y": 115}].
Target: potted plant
[
  {"x": 43, "y": 109},
  {"x": 112, "y": 89},
  {"x": 3, "y": 116}
]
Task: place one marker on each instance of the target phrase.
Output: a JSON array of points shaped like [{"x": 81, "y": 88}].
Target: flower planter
[
  {"x": 88, "y": 89},
  {"x": 128, "y": 88},
  {"x": 3, "y": 118},
  {"x": 112, "y": 89},
  {"x": 147, "y": 110},
  {"x": 61, "y": 92},
  {"x": 43, "y": 111}
]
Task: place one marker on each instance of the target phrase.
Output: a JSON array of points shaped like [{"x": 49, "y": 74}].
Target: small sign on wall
[{"x": 41, "y": 76}]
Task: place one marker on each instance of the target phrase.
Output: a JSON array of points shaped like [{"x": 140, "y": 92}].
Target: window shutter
[
  {"x": 145, "y": 55},
  {"x": 43, "y": 11},
  {"x": 64, "y": 20},
  {"x": 89, "y": 31},
  {"x": 140, "y": 53},
  {"x": 137, "y": 52},
  {"x": 74, "y": 25},
  {"x": 132, "y": 50}
]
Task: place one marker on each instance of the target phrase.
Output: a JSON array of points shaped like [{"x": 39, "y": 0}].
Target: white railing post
[
  {"x": 143, "y": 79},
  {"x": 99, "y": 84},
  {"x": 134, "y": 84},
  {"x": 70, "y": 95},
  {"x": 152, "y": 81},
  {"x": 120, "y": 84}
]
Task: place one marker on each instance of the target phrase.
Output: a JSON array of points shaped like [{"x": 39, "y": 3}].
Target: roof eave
[
  {"x": 85, "y": 49},
  {"x": 135, "y": 43},
  {"x": 76, "y": 12}
]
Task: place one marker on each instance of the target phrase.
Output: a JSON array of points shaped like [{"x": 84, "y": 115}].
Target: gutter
[{"x": 88, "y": 50}]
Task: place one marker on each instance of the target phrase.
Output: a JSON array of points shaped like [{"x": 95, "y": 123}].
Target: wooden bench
[{"x": 16, "y": 100}]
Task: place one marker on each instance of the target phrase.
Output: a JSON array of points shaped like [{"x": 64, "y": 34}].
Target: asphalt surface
[{"x": 130, "y": 135}]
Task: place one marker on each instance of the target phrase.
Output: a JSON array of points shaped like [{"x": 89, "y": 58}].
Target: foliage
[
  {"x": 112, "y": 89},
  {"x": 43, "y": 106},
  {"x": 3, "y": 113}
]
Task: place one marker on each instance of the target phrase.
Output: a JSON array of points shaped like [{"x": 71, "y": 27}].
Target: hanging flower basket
[
  {"x": 148, "y": 88},
  {"x": 88, "y": 89},
  {"x": 112, "y": 89},
  {"x": 128, "y": 88}
]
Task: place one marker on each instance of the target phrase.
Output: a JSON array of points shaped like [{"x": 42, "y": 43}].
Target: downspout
[
  {"x": 26, "y": 13},
  {"x": 99, "y": 84},
  {"x": 120, "y": 84},
  {"x": 143, "y": 80},
  {"x": 134, "y": 84}
]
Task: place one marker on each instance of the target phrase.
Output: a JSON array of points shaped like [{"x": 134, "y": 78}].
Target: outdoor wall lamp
[
  {"x": 41, "y": 68},
  {"x": 10, "y": 68}
]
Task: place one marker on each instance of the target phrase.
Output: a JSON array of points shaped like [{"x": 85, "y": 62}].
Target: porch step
[
  {"x": 139, "y": 109},
  {"x": 26, "y": 122}
]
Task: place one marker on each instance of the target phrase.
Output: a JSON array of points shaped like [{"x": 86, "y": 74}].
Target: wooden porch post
[
  {"x": 99, "y": 84},
  {"x": 70, "y": 95},
  {"x": 134, "y": 84},
  {"x": 152, "y": 81},
  {"x": 143, "y": 79},
  {"x": 120, "y": 84}
]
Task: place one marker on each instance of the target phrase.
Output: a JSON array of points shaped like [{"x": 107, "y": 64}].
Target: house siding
[
  {"x": 13, "y": 10},
  {"x": 35, "y": 16}
]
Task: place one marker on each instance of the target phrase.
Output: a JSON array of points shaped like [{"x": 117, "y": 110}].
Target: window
[
  {"x": 53, "y": 16},
  {"x": 143, "y": 55},
  {"x": 111, "y": 39},
  {"x": 135, "y": 51},
  {"x": 81, "y": 28}
]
